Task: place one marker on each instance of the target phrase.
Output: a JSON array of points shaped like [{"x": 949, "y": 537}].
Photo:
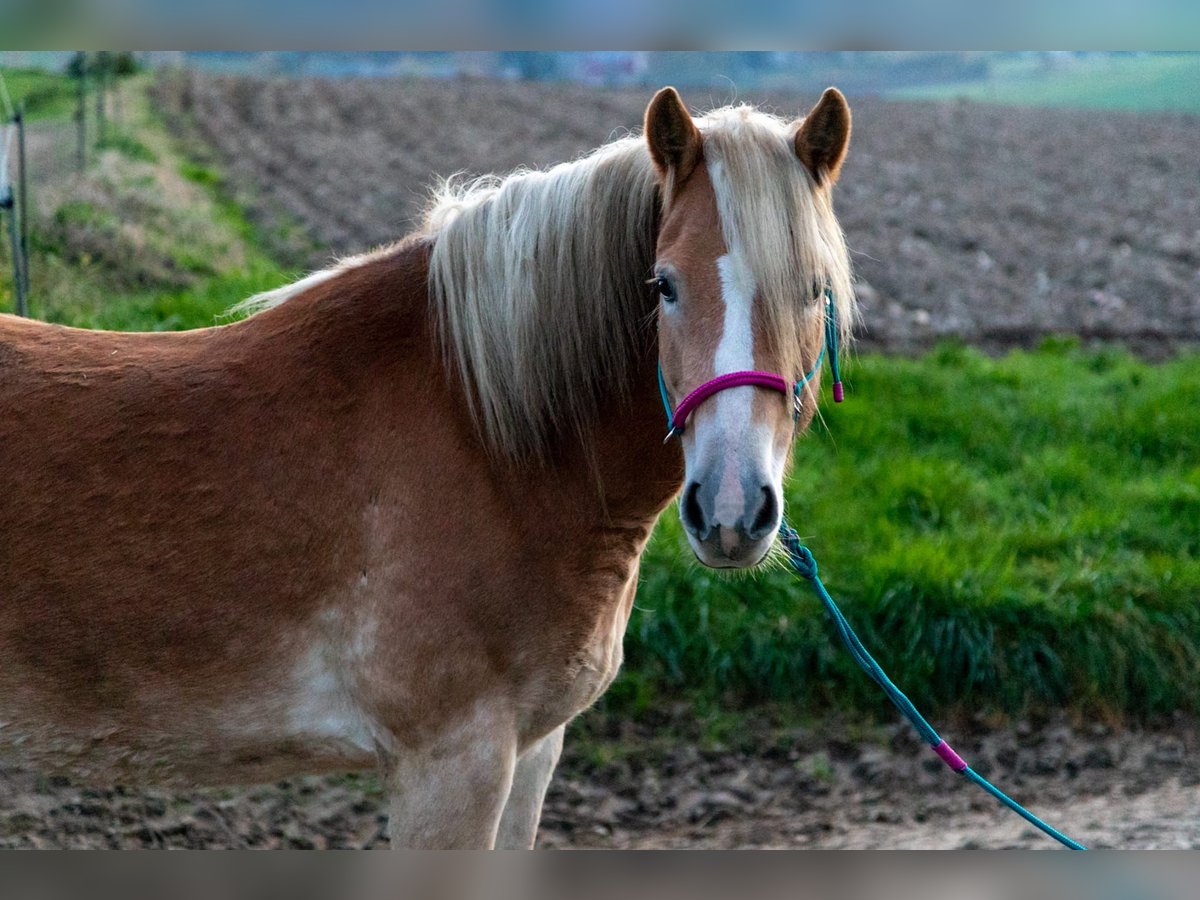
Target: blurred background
[{"x": 1008, "y": 504}]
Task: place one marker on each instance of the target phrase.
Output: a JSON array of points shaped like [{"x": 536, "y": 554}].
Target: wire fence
[
  {"x": 14, "y": 206},
  {"x": 36, "y": 155}
]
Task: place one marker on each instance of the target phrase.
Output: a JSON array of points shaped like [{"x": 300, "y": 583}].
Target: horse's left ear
[{"x": 824, "y": 136}]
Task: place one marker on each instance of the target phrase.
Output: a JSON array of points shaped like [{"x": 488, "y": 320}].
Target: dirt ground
[
  {"x": 989, "y": 223},
  {"x": 797, "y": 789}
]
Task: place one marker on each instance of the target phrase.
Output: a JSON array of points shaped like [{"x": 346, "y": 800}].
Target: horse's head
[{"x": 747, "y": 247}]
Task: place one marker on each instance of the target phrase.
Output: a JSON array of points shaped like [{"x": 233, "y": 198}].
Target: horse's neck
[
  {"x": 636, "y": 473},
  {"x": 372, "y": 325}
]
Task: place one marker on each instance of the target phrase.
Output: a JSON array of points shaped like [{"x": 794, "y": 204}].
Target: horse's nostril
[
  {"x": 765, "y": 520},
  {"x": 692, "y": 513}
]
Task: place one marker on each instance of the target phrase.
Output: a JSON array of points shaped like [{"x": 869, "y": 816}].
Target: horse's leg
[
  {"x": 523, "y": 811},
  {"x": 451, "y": 794}
]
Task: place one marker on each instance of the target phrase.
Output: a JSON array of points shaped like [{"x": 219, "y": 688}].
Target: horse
[{"x": 392, "y": 516}]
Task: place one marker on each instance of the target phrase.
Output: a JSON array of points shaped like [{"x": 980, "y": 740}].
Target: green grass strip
[
  {"x": 1005, "y": 534},
  {"x": 1164, "y": 82}
]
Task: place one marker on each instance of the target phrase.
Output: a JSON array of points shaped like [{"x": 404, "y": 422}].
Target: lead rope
[{"x": 805, "y": 565}]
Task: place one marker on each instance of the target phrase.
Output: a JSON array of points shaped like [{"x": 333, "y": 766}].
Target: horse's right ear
[{"x": 673, "y": 137}]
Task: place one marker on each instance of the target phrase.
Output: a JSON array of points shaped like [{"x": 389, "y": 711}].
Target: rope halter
[{"x": 677, "y": 416}]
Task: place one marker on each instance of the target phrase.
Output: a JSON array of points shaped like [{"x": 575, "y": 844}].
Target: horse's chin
[{"x": 752, "y": 556}]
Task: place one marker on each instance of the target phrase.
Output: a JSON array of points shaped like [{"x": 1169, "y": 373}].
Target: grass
[
  {"x": 129, "y": 146},
  {"x": 1168, "y": 82},
  {"x": 1008, "y": 535},
  {"x": 145, "y": 240},
  {"x": 46, "y": 94}
]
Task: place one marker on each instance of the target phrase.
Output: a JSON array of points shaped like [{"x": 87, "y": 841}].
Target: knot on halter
[{"x": 800, "y": 556}]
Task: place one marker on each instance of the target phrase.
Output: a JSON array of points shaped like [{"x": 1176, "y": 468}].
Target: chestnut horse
[{"x": 395, "y": 516}]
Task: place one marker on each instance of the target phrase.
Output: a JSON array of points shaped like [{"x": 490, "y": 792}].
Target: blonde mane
[
  {"x": 539, "y": 284},
  {"x": 538, "y": 280}
]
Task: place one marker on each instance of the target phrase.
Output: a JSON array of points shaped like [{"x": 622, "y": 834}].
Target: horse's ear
[
  {"x": 673, "y": 137},
  {"x": 824, "y": 136}
]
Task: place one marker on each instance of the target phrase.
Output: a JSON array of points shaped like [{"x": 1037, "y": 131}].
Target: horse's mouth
[{"x": 744, "y": 555}]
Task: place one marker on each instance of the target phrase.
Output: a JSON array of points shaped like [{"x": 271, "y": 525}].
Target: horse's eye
[{"x": 665, "y": 289}]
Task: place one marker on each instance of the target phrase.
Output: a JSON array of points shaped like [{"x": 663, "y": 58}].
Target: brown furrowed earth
[
  {"x": 829, "y": 788},
  {"x": 992, "y": 224}
]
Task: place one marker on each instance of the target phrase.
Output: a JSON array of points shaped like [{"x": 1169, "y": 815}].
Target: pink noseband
[
  {"x": 721, "y": 383},
  {"x": 677, "y": 417}
]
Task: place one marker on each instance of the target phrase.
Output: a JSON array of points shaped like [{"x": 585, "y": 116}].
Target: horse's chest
[{"x": 577, "y": 678}]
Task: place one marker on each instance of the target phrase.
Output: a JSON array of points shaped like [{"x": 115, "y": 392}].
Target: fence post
[
  {"x": 101, "y": 113},
  {"x": 23, "y": 198},
  {"x": 81, "y": 111},
  {"x": 118, "y": 104},
  {"x": 6, "y": 203}
]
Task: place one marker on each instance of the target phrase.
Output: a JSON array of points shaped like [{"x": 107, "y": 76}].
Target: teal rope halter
[{"x": 805, "y": 566}]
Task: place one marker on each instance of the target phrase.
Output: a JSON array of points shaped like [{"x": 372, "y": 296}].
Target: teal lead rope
[
  {"x": 804, "y": 564},
  {"x": 802, "y": 561}
]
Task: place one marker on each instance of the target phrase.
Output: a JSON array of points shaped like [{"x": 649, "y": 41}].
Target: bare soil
[
  {"x": 992, "y": 224},
  {"x": 800, "y": 788}
]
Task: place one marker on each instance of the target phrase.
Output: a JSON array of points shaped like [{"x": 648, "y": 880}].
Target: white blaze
[
  {"x": 726, "y": 449},
  {"x": 735, "y": 406}
]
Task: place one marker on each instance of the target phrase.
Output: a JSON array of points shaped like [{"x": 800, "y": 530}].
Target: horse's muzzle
[{"x": 730, "y": 538}]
